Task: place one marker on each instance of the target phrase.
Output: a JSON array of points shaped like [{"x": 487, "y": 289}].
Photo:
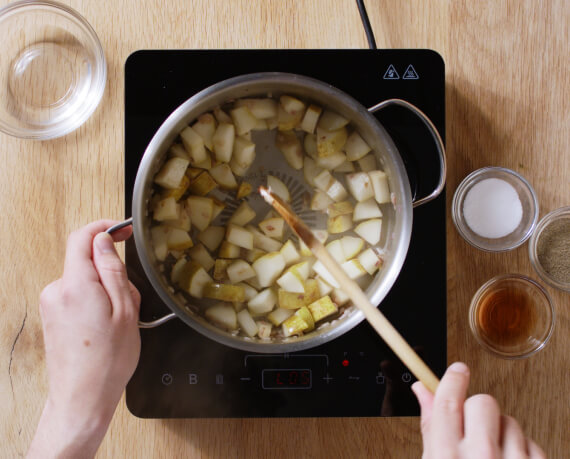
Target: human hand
[
  {"x": 92, "y": 343},
  {"x": 453, "y": 427}
]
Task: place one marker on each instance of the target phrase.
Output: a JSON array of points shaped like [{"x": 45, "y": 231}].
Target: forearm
[{"x": 65, "y": 434}]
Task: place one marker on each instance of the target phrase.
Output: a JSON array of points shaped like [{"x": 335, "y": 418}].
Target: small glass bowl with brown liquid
[{"x": 512, "y": 316}]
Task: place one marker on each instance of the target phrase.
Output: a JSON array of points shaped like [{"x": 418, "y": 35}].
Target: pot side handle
[
  {"x": 141, "y": 324},
  {"x": 436, "y": 137}
]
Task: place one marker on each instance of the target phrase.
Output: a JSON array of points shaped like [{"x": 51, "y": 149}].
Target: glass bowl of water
[
  {"x": 52, "y": 70},
  {"x": 495, "y": 209}
]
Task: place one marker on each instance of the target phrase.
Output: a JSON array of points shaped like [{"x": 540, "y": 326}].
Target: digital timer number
[{"x": 286, "y": 378}]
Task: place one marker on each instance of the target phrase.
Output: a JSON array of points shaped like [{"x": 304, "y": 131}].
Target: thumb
[{"x": 112, "y": 272}]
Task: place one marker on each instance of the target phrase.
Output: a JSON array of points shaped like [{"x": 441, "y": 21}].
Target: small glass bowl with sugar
[{"x": 495, "y": 209}]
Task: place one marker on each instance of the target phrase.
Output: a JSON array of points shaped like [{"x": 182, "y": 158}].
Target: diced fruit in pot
[
  {"x": 239, "y": 270},
  {"x": 330, "y": 142},
  {"x": 288, "y": 143},
  {"x": 340, "y": 208},
  {"x": 166, "y": 209},
  {"x": 201, "y": 210},
  {"x": 224, "y": 292},
  {"x": 278, "y": 187},
  {"x": 178, "y": 151},
  {"x": 336, "y": 250},
  {"x": 193, "y": 279},
  {"x": 178, "y": 240},
  {"x": 370, "y": 261},
  {"x": 294, "y": 325},
  {"x": 367, "y": 163},
  {"x": 229, "y": 250},
  {"x": 202, "y": 184},
  {"x": 380, "y": 183},
  {"x": 244, "y": 190},
  {"x": 182, "y": 222},
  {"x": 246, "y": 322},
  {"x": 289, "y": 253},
  {"x": 223, "y": 140},
  {"x": 243, "y": 119},
  {"x": 291, "y": 282},
  {"x": 260, "y": 108},
  {"x": 224, "y": 176},
  {"x": 159, "y": 236},
  {"x": 365, "y": 210},
  {"x": 178, "y": 192},
  {"x": 310, "y": 145},
  {"x": 268, "y": 268},
  {"x": 322, "y": 308},
  {"x": 239, "y": 236},
  {"x": 292, "y": 105},
  {"x": 218, "y": 207},
  {"x": 370, "y": 230},
  {"x": 339, "y": 297},
  {"x": 310, "y": 170},
  {"x": 243, "y": 214},
  {"x": 264, "y": 329},
  {"x": 277, "y": 316},
  {"x": 263, "y": 302},
  {"x": 332, "y": 161},
  {"x": 320, "y": 269},
  {"x": 250, "y": 292},
  {"x": 339, "y": 224},
  {"x": 201, "y": 256},
  {"x": 360, "y": 186},
  {"x": 212, "y": 237},
  {"x": 332, "y": 121},
  {"x": 177, "y": 270},
  {"x": 171, "y": 173},
  {"x": 263, "y": 242},
  {"x": 243, "y": 155},
  {"x": 306, "y": 315},
  {"x": 287, "y": 121},
  {"x": 220, "y": 269},
  {"x": 337, "y": 191},
  {"x": 345, "y": 167},
  {"x": 351, "y": 246},
  {"x": 310, "y": 119},
  {"x": 324, "y": 180},
  {"x": 194, "y": 145},
  {"x": 222, "y": 315},
  {"x": 254, "y": 254},
  {"x": 320, "y": 201},
  {"x": 353, "y": 269},
  {"x": 355, "y": 147},
  {"x": 205, "y": 128},
  {"x": 324, "y": 287},
  {"x": 273, "y": 227}
]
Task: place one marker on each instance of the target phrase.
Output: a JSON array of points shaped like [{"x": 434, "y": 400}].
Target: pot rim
[{"x": 400, "y": 242}]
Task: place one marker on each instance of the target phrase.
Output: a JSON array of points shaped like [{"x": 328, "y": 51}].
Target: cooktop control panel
[{"x": 184, "y": 374}]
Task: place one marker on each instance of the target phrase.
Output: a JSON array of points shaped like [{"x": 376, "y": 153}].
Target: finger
[
  {"x": 135, "y": 295},
  {"x": 112, "y": 273},
  {"x": 78, "y": 264},
  {"x": 482, "y": 421},
  {"x": 534, "y": 451},
  {"x": 512, "y": 438},
  {"x": 425, "y": 399},
  {"x": 446, "y": 424}
]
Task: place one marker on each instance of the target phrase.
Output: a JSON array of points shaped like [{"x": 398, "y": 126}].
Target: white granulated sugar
[{"x": 492, "y": 208}]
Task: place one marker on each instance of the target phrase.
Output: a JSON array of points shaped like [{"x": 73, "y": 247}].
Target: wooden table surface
[{"x": 507, "y": 87}]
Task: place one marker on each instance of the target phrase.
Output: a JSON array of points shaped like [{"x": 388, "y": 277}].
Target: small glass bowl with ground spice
[{"x": 549, "y": 248}]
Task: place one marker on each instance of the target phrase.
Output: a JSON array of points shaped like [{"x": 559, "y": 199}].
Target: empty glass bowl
[
  {"x": 52, "y": 70},
  {"x": 495, "y": 209}
]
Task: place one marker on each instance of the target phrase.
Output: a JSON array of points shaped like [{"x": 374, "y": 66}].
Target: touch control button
[
  {"x": 167, "y": 379},
  {"x": 406, "y": 377}
]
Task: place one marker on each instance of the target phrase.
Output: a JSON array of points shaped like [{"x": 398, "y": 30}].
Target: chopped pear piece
[
  {"x": 360, "y": 186},
  {"x": 289, "y": 253},
  {"x": 243, "y": 214},
  {"x": 218, "y": 207},
  {"x": 332, "y": 121},
  {"x": 260, "y": 108},
  {"x": 379, "y": 181},
  {"x": 355, "y": 147},
  {"x": 205, "y": 128},
  {"x": 320, "y": 201},
  {"x": 367, "y": 163},
  {"x": 324, "y": 287},
  {"x": 370, "y": 261},
  {"x": 332, "y": 161},
  {"x": 353, "y": 269},
  {"x": 310, "y": 170},
  {"x": 166, "y": 209},
  {"x": 323, "y": 272},
  {"x": 273, "y": 227},
  {"x": 171, "y": 173},
  {"x": 277, "y": 316},
  {"x": 291, "y": 282},
  {"x": 200, "y": 255},
  {"x": 243, "y": 120},
  {"x": 224, "y": 292},
  {"x": 159, "y": 236},
  {"x": 239, "y": 236},
  {"x": 322, "y": 308},
  {"x": 263, "y": 242},
  {"x": 324, "y": 180},
  {"x": 193, "y": 172},
  {"x": 295, "y": 300},
  {"x": 222, "y": 315},
  {"x": 321, "y": 234},
  {"x": 351, "y": 246},
  {"x": 302, "y": 269},
  {"x": 337, "y": 192},
  {"x": 309, "y": 122},
  {"x": 200, "y": 209},
  {"x": 222, "y": 116},
  {"x": 239, "y": 270},
  {"x": 345, "y": 167},
  {"x": 177, "y": 269},
  {"x": 336, "y": 250},
  {"x": 194, "y": 145},
  {"x": 339, "y": 224},
  {"x": 370, "y": 230},
  {"x": 294, "y": 325},
  {"x": 212, "y": 237},
  {"x": 178, "y": 239},
  {"x": 178, "y": 192},
  {"x": 263, "y": 302},
  {"x": 330, "y": 142},
  {"x": 292, "y": 105},
  {"x": 277, "y": 187},
  {"x": 202, "y": 184},
  {"x": 223, "y": 141},
  {"x": 224, "y": 176},
  {"x": 220, "y": 269},
  {"x": 243, "y": 155},
  {"x": 206, "y": 164},
  {"x": 254, "y": 254},
  {"x": 264, "y": 329},
  {"x": 247, "y": 323},
  {"x": 365, "y": 210},
  {"x": 268, "y": 268},
  {"x": 310, "y": 145},
  {"x": 312, "y": 291},
  {"x": 193, "y": 279},
  {"x": 250, "y": 292},
  {"x": 306, "y": 315},
  {"x": 286, "y": 121},
  {"x": 243, "y": 190},
  {"x": 288, "y": 144},
  {"x": 178, "y": 151},
  {"x": 340, "y": 208},
  {"x": 304, "y": 250},
  {"x": 229, "y": 250},
  {"x": 339, "y": 297}
]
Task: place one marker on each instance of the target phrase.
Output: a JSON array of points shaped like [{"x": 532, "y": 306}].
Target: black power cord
[{"x": 366, "y": 24}]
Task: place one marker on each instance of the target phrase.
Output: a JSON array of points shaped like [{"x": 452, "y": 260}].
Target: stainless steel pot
[{"x": 397, "y": 221}]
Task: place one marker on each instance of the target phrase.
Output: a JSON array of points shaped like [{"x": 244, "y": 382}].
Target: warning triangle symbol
[
  {"x": 410, "y": 73},
  {"x": 391, "y": 73}
]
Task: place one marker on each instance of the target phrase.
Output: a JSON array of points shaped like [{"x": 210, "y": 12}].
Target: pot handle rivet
[{"x": 436, "y": 137}]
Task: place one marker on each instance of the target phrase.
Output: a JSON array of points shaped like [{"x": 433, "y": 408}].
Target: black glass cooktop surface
[{"x": 182, "y": 374}]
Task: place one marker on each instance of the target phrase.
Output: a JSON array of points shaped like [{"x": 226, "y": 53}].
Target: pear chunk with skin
[
  {"x": 166, "y": 209},
  {"x": 330, "y": 142},
  {"x": 273, "y": 227},
  {"x": 243, "y": 155},
  {"x": 263, "y": 242},
  {"x": 194, "y": 145},
  {"x": 353, "y": 269},
  {"x": 239, "y": 236},
  {"x": 355, "y": 147},
  {"x": 242, "y": 215},
  {"x": 243, "y": 190},
  {"x": 336, "y": 250},
  {"x": 268, "y": 268},
  {"x": 331, "y": 121},
  {"x": 289, "y": 253},
  {"x": 291, "y": 282},
  {"x": 200, "y": 255},
  {"x": 310, "y": 119},
  {"x": 310, "y": 145},
  {"x": 205, "y": 128},
  {"x": 222, "y": 315},
  {"x": 339, "y": 224},
  {"x": 370, "y": 230},
  {"x": 243, "y": 119},
  {"x": 294, "y": 325},
  {"x": 171, "y": 173},
  {"x": 229, "y": 250},
  {"x": 223, "y": 175},
  {"x": 340, "y": 208},
  {"x": 379, "y": 181},
  {"x": 263, "y": 302},
  {"x": 224, "y": 292},
  {"x": 351, "y": 246},
  {"x": 370, "y": 261},
  {"x": 202, "y": 184},
  {"x": 239, "y": 270},
  {"x": 246, "y": 323},
  {"x": 367, "y": 163},
  {"x": 264, "y": 329},
  {"x": 320, "y": 201},
  {"x": 310, "y": 170},
  {"x": 193, "y": 279},
  {"x": 306, "y": 315},
  {"x": 277, "y": 316},
  {"x": 223, "y": 141},
  {"x": 286, "y": 121},
  {"x": 322, "y": 308},
  {"x": 288, "y": 143},
  {"x": 260, "y": 108},
  {"x": 365, "y": 210},
  {"x": 200, "y": 210},
  {"x": 279, "y": 188},
  {"x": 212, "y": 237},
  {"x": 332, "y": 161},
  {"x": 292, "y": 105},
  {"x": 360, "y": 186}
]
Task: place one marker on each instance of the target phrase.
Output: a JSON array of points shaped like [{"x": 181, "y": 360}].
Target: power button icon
[
  {"x": 406, "y": 377},
  {"x": 167, "y": 379}
]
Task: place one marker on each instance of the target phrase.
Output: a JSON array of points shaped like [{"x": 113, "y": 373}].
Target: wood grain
[{"x": 508, "y": 81}]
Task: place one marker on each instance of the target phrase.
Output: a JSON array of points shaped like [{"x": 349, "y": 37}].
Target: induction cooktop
[{"x": 182, "y": 374}]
